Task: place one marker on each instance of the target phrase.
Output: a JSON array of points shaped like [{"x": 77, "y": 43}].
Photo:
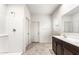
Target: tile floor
[{"x": 39, "y": 49}]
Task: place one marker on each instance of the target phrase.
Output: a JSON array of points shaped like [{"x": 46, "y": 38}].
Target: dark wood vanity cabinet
[
  {"x": 63, "y": 48},
  {"x": 57, "y": 46},
  {"x": 67, "y": 52},
  {"x": 54, "y": 46},
  {"x": 59, "y": 49}
]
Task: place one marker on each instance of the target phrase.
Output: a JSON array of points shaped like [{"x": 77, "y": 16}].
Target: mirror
[{"x": 71, "y": 21}]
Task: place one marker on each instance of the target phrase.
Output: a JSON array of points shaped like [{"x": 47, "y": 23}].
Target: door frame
[
  {"x": 28, "y": 28},
  {"x": 25, "y": 47}
]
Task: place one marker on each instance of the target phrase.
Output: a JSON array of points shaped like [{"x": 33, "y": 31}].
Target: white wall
[
  {"x": 3, "y": 32},
  {"x": 16, "y": 21},
  {"x": 28, "y": 15},
  {"x": 3, "y": 11},
  {"x": 27, "y": 28},
  {"x": 57, "y": 21},
  {"x": 45, "y": 27}
]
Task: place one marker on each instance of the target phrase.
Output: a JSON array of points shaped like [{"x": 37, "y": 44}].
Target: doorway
[{"x": 36, "y": 34}]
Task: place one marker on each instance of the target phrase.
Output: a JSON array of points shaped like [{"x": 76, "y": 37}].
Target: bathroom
[{"x": 24, "y": 24}]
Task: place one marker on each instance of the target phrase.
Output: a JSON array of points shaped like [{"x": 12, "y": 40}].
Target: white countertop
[{"x": 73, "y": 41}]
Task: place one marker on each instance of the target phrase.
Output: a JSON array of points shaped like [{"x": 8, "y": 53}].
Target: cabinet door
[
  {"x": 54, "y": 47},
  {"x": 60, "y": 50},
  {"x": 67, "y": 52},
  {"x": 52, "y": 43}
]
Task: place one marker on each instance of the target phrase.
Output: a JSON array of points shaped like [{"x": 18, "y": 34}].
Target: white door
[{"x": 36, "y": 37}]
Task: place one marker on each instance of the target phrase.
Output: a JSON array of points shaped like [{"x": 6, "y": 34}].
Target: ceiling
[{"x": 45, "y": 9}]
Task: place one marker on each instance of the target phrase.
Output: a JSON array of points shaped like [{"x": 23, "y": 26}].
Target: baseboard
[
  {"x": 11, "y": 53},
  {"x": 45, "y": 42},
  {"x": 35, "y": 42}
]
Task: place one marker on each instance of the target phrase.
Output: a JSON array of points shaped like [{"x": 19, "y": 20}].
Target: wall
[
  {"x": 3, "y": 32},
  {"x": 3, "y": 9},
  {"x": 28, "y": 15},
  {"x": 16, "y": 21},
  {"x": 45, "y": 27},
  {"x": 57, "y": 21},
  {"x": 27, "y": 27},
  {"x": 14, "y": 41}
]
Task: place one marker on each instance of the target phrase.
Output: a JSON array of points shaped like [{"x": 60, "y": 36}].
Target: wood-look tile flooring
[{"x": 39, "y": 49}]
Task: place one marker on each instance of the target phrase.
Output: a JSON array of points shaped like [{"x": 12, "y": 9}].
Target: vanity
[
  {"x": 68, "y": 44},
  {"x": 65, "y": 46}
]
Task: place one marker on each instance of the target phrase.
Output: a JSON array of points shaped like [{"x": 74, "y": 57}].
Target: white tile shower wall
[{"x": 15, "y": 21}]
